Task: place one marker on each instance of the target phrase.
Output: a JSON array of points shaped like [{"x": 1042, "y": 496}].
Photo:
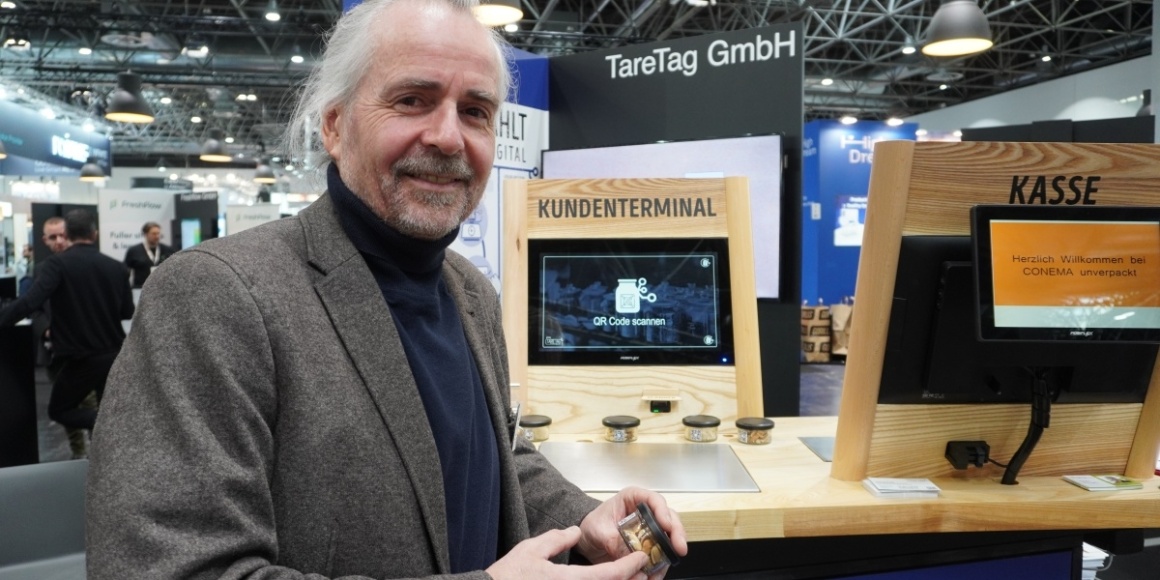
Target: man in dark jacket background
[
  {"x": 144, "y": 257},
  {"x": 90, "y": 296}
]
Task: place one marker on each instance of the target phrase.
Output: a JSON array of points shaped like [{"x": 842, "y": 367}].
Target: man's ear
[{"x": 331, "y": 138}]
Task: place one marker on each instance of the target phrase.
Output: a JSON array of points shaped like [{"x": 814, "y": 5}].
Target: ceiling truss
[{"x": 858, "y": 44}]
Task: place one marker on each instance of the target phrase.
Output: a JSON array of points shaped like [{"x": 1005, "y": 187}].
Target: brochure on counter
[
  {"x": 901, "y": 487},
  {"x": 1107, "y": 482}
]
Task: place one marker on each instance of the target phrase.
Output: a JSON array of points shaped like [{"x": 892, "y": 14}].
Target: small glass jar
[
  {"x": 641, "y": 533},
  {"x": 701, "y": 428},
  {"x": 535, "y": 427},
  {"x": 620, "y": 428},
  {"x": 754, "y": 430}
]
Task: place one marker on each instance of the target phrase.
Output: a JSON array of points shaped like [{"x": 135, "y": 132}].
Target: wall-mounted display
[{"x": 757, "y": 158}]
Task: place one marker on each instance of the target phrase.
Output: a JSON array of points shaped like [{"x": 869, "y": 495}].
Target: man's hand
[
  {"x": 530, "y": 559},
  {"x": 600, "y": 539}
]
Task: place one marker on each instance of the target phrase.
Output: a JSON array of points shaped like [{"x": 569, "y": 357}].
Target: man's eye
[{"x": 478, "y": 112}]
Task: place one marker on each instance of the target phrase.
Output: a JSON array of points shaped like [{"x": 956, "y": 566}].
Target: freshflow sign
[{"x": 40, "y": 146}]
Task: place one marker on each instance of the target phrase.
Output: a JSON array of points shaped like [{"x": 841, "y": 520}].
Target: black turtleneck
[{"x": 409, "y": 274}]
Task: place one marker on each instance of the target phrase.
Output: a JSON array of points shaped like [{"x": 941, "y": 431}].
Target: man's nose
[{"x": 445, "y": 131}]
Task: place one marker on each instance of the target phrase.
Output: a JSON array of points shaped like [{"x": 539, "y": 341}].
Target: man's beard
[{"x": 441, "y": 212}]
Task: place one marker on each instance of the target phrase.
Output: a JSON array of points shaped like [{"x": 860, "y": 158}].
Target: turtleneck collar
[{"x": 372, "y": 236}]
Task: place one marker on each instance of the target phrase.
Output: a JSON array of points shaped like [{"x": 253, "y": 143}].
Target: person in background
[
  {"x": 338, "y": 404},
  {"x": 90, "y": 296},
  {"x": 143, "y": 258},
  {"x": 54, "y": 236}
]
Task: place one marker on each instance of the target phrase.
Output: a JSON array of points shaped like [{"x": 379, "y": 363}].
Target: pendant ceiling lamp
[
  {"x": 498, "y": 12},
  {"x": 958, "y": 28},
  {"x": 263, "y": 173},
  {"x": 3, "y": 151},
  {"x": 127, "y": 105},
  {"x": 214, "y": 148},
  {"x": 91, "y": 170}
]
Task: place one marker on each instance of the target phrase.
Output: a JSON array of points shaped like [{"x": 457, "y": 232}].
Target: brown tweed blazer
[{"x": 262, "y": 421}]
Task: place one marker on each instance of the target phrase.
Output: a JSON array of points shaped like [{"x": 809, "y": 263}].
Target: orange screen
[{"x": 1080, "y": 263}]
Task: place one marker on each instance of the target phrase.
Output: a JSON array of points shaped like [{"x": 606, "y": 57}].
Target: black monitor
[
  {"x": 933, "y": 353},
  {"x": 950, "y": 340},
  {"x": 628, "y": 301},
  {"x": 1078, "y": 273}
]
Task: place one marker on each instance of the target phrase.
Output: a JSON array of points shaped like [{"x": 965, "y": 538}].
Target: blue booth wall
[{"x": 835, "y": 177}]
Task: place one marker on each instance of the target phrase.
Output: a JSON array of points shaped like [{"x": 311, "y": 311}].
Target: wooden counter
[{"x": 798, "y": 497}]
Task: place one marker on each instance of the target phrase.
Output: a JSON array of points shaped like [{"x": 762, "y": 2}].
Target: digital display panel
[
  {"x": 190, "y": 233},
  {"x": 1068, "y": 273},
  {"x": 630, "y": 301}
]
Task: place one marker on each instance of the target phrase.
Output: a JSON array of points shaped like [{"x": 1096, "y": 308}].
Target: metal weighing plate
[
  {"x": 664, "y": 467},
  {"x": 823, "y": 447}
]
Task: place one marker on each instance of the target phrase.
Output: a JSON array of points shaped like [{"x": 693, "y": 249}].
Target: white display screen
[{"x": 757, "y": 158}]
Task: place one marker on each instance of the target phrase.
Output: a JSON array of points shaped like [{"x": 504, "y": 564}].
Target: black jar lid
[
  {"x": 755, "y": 423},
  {"x": 533, "y": 421},
  {"x": 621, "y": 421},
  {"x": 658, "y": 534},
  {"x": 701, "y": 421}
]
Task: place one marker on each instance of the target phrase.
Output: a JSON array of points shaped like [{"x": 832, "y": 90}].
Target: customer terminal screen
[{"x": 627, "y": 301}]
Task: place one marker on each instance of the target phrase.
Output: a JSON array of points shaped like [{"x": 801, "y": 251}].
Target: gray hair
[{"x": 336, "y": 76}]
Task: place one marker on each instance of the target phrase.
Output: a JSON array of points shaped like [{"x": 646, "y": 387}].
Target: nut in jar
[{"x": 641, "y": 533}]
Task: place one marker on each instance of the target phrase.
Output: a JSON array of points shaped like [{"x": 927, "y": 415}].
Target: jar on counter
[
  {"x": 620, "y": 428},
  {"x": 641, "y": 533},
  {"x": 535, "y": 427},
  {"x": 701, "y": 428},
  {"x": 754, "y": 430}
]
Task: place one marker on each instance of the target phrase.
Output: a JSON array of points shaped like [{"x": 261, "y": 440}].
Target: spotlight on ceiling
[
  {"x": 958, "y": 28},
  {"x": 127, "y": 105},
  {"x": 91, "y": 170},
  {"x": 894, "y": 121},
  {"x": 272, "y": 11},
  {"x": 498, "y": 12},
  {"x": 848, "y": 120},
  {"x": 3, "y": 151},
  {"x": 263, "y": 173},
  {"x": 908, "y": 46},
  {"x": 18, "y": 42},
  {"x": 214, "y": 149}
]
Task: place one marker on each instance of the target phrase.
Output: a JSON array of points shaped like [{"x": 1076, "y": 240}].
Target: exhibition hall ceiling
[{"x": 855, "y": 62}]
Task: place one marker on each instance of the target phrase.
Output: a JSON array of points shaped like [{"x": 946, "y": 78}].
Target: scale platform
[{"x": 663, "y": 467}]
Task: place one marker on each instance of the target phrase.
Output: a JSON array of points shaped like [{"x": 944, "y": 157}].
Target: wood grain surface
[
  {"x": 928, "y": 188},
  {"x": 798, "y": 498},
  {"x": 577, "y": 398}
]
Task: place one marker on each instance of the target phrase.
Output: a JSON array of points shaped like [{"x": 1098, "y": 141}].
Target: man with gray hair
[{"x": 337, "y": 405}]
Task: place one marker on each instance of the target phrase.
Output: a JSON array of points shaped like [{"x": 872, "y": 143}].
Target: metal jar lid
[
  {"x": 701, "y": 421},
  {"x": 621, "y": 421},
  {"x": 755, "y": 423},
  {"x": 533, "y": 421}
]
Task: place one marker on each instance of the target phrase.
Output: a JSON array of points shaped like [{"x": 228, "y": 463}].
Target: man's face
[
  {"x": 417, "y": 140},
  {"x": 152, "y": 237},
  {"x": 55, "y": 238}
]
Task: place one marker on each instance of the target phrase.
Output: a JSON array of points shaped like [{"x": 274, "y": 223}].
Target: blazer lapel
[{"x": 356, "y": 308}]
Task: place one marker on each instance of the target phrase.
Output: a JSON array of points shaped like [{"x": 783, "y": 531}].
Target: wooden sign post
[
  {"x": 578, "y": 397},
  {"x": 928, "y": 189}
]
